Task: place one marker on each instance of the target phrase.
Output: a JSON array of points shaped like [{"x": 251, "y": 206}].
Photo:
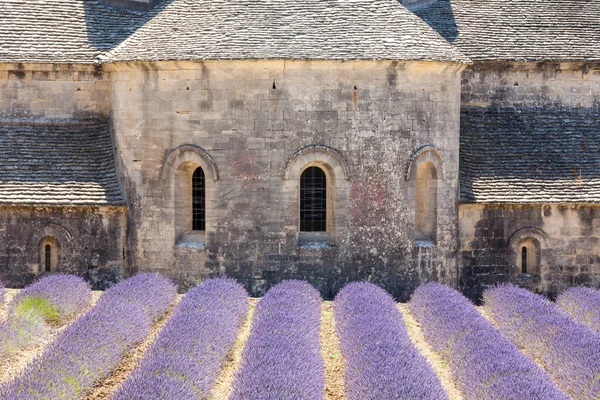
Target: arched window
[
  {"x": 313, "y": 200},
  {"x": 48, "y": 254},
  {"x": 426, "y": 202},
  {"x": 529, "y": 260},
  {"x": 48, "y": 258},
  {"x": 198, "y": 200}
]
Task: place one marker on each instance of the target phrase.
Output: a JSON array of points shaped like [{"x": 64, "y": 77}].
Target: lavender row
[
  {"x": 281, "y": 359},
  {"x": 54, "y": 299},
  {"x": 582, "y": 304},
  {"x": 91, "y": 347},
  {"x": 567, "y": 350},
  {"x": 485, "y": 364},
  {"x": 190, "y": 350},
  {"x": 381, "y": 362},
  {"x": 58, "y": 298}
]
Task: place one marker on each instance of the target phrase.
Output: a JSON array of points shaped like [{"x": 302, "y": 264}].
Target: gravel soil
[
  {"x": 332, "y": 355},
  {"x": 440, "y": 366},
  {"x": 224, "y": 385}
]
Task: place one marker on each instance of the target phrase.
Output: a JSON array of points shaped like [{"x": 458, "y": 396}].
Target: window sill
[
  {"x": 314, "y": 240},
  {"x": 193, "y": 240},
  {"x": 192, "y": 244},
  {"x": 424, "y": 243}
]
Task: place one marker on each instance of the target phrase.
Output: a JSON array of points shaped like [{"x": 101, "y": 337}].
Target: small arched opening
[
  {"x": 426, "y": 202},
  {"x": 529, "y": 256},
  {"x": 49, "y": 254}
]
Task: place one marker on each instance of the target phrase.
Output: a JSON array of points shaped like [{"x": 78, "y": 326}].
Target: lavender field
[{"x": 141, "y": 340}]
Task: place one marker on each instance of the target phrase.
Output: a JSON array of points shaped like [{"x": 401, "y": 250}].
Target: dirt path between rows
[
  {"x": 106, "y": 386},
  {"x": 440, "y": 366},
  {"x": 224, "y": 385}
]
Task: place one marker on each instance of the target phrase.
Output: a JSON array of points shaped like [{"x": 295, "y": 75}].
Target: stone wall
[
  {"x": 251, "y": 125},
  {"x": 90, "y": 242},
  {"x": 53, "y": 91},
  {"x": 490, "y": 235},
  {"x": 511, "y": 84}
]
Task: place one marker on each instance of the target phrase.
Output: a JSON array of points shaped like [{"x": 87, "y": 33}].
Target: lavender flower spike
[
  {"x": 582, "y": 304},
  {"x": 184, "y": 361},
  {"x": 485, "y": 364},
  {"x": 281, "y": 359},
  {"x": 381, "y": 360},
  {"x": 2, "y": 292},
  {"x": 567, "y": 350},
  {"x": 87, "y": 350}
]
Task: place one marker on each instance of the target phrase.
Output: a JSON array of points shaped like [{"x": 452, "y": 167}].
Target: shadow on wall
[
  {"x": 440, "y": 17},
  {"x": 108, "y": 26}
]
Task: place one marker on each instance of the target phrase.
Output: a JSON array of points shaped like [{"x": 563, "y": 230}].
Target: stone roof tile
[
  {"x": 284, "y": 29},
  {"x": 61, "y": 31},
  {"x": 519, "y": 30},
  {"x": 64, "y": 163},
  {"x": 530, "y": 155}
]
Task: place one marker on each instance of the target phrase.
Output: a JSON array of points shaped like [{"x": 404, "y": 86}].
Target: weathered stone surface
[
  {"x": 89, "y": 239},
  {"x": 375, "y": 114},
  {"x": 569, "y": 249}
]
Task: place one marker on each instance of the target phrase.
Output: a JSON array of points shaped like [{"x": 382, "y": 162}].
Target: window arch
[
  {"x": 529, "y": 256},
  {"x": 313, "y": 200},
  {"x": 48, "y": 254},
  {"x": 191, "y": 175},
  {"x": 426, "y": 202}
]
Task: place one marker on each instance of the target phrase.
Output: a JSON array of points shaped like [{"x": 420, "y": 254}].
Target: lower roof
[
  {"x": 57, "y": 163},
  {"x": 530, "y": 155}
]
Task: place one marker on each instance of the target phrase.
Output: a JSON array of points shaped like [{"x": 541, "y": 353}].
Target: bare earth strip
[
  {"x": 224, "y": 385},
  {"x": 440, "y": 367},
  {"x": 16, "y": 363},
  {"x": 106, "y": 386},
  {"x": 10, "y": 293},
  {"x": 332, "y": 355}
]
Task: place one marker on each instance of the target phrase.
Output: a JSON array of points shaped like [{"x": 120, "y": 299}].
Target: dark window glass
[
  {"x": 313, "y": 200},
  {"x": 524, "y": 260},
  {"x": 198, "y": 200},
  {"x": 48, "y": 257}
]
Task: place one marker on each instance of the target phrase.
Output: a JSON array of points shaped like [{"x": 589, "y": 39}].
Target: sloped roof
[
  {"x": 530, "y": 155},
  {"x": 67, "y": 163},
  {"x": 61, "y": 31},
  {"x": 519, "y": 30},
  {"x": 284, "y": 29}
]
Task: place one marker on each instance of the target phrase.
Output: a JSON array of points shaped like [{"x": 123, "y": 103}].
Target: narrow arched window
[
  {"x": 530, "y": 257},
  {"x": 524, "y": 260},
  {"x": 313, "y": 200},
  {"x": 426, "y": 202},
  {"x": 198, "y": 200},
  {"x": 48, "y": 258}
]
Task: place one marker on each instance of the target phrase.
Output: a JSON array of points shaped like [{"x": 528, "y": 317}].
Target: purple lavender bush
[
  {"x": 58, "y": 298},
  {"x": 94, "y": 344},
  {"x": 381, "y": 362},
  {"x": 281, "y": 359},
  {"x": 190, "y": 350},
  {"x": 567, "y": 350},
  {"x": 484, "y": 363},
  {"x": 582, "y": 304}
]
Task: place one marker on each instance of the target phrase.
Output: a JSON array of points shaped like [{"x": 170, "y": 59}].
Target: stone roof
[
  {"x": 530, "y": 155},
  {"x": 284, "y": 29},
  {"x": 67, "y": 163},
  {"x": 519, "y": 30},
  {"x": 61, "y": 31}
]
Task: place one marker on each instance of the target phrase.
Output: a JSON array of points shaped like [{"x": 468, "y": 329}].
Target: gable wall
[{"x": 376, "y": 114}]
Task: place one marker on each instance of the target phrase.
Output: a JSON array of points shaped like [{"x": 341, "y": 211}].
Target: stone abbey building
[{"x": 326, "y": 140}]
